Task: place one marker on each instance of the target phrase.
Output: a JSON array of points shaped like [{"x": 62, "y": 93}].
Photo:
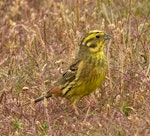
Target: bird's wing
[
  {"x": 70, "y": 74},
  {"x": 66, "y": 78}
]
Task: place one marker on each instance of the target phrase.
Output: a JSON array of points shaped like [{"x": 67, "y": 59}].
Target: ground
[{"x": 38, "y": 41}]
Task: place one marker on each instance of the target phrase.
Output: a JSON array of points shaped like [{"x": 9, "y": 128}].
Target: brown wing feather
[
  {"x": 66, "y": 78},
  {"x": 70, "y": 74}
]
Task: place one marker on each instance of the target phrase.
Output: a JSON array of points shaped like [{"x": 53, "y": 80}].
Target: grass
[{"x": 38, "y": 41}]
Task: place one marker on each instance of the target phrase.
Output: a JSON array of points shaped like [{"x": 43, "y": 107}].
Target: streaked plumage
[{"x": 86, "y": 73}]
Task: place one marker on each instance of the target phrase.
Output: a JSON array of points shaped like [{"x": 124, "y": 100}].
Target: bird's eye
[{"x": 97, "y": 36}]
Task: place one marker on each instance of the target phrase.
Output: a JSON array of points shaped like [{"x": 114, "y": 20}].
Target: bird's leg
[
  {"x": 87, "y": 101},
  {"x": 75, "y": 107}
]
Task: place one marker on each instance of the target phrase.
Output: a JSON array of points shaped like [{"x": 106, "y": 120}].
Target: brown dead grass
[{"x": 38, "y": 41}]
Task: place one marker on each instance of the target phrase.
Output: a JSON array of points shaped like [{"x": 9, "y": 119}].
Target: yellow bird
[{"x": 86, "y": 73}]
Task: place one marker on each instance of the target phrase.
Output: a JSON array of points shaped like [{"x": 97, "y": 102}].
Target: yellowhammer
[{"x": 86, "y": 73}]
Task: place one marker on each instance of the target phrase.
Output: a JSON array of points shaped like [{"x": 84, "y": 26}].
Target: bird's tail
[
  {"x": 38, "y": 99},
  {"x": 55, "y": 91}
]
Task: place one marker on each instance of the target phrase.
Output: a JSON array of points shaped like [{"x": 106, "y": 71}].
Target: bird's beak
[{"x": 107, "y": 36}]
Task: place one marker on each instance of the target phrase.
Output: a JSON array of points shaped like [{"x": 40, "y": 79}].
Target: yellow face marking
[{"x": 93, "y": 34}]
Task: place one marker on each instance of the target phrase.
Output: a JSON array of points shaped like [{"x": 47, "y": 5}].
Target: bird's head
[{"x": 94, "y": 42}]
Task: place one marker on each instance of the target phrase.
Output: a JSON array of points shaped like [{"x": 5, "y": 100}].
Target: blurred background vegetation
[{"x": 38, "y": 41}]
